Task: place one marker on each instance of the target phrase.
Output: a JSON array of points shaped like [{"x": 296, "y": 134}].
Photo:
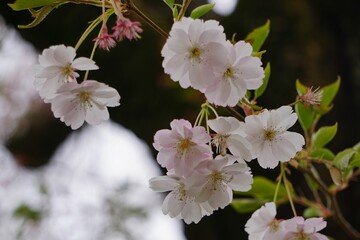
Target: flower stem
[
  {"x": 279, "y": 178},
  {"x": 131, "y": 6},
  {"x": 235, "y": 113},
  {"x": 287, "y": 189},
  {"x": 183, "y": 9},
  {"x": 92, "y": 26}
]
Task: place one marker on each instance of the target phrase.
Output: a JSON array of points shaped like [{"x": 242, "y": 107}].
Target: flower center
[
  {"x": 84, "y": 96},
  {"x": 270, "y": 134},
  {"x": 302, "y": 236},
  {"x": 274, "y": 226},
  {"x": 229, "y": 73},
  {"x": 195, "y": 54},
  {"x": 217, "y": 178},
  {"x": 68, "y": 73},
  {"x": 181, "y": 193},
  {"x": 220, "y": 141},
  {"x": 184, "y": 144}
]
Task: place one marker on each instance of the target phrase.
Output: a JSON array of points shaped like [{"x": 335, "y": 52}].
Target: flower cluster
[
  {"x": 264, "y": 226},
  {"x": 201, "y": 180},
  {"x": 72, "y": 102},
  {"x": 204, "y": 168},
  {"x": 198, "y": 183},
  {"x": 197, "y": 54},
  {"x": 124, "y": 28}
]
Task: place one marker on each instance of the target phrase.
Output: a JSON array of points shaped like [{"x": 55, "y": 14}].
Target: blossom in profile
[
  {"x": 230, "y": 136},
  {"x": 76, "y": 103},
  {"x": 221, "y": 176},
  {"x": 263, "y": 225},
  {"x": 300, "y": 229},
  {"x": 57, "y": 65},
  {"x": 237, "y": 74},
  {"x": 105, "y": 41},
  {"x": 183, "y": 147},
  {"x": 268, "y": 135},
  {"x": 311, "y": 97},
  {"x": 191, "y": 51},
  {"x": 125, "y": 28},
  {"x": 180, "y": 201}
]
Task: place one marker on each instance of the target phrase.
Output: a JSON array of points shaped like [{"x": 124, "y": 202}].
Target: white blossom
[
  {"x": 230, "y": 136},
  {"x": 57, "y": 65},
  {"x": 88, "y": 101},
  {"x": 267, "y": 133},
  {"x": 263, "y": 225},
  {"x": 222, "y": 176},
  {"x": 193, "y": 48},
  {"x": 183, "y": 147},
  {"x": 299, "y": 229},
  {"x": 180, "y": 202},
  {"x": 237, "y": 74}
]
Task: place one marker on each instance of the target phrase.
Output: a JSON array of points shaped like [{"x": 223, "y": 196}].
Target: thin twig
[
  {"x": 131, "y": 6},
  {"x": 235, "y": 113}
]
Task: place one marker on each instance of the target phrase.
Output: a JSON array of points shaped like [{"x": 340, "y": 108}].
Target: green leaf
[
  {"x": 312, "y": 212},
  {"x": 323, "y": 136},
  {"x": 322, "y": 153},
  {"x": 260, "y": 91},
  {"x": 329, "y": 92},
  {"x": 246, "y": 205},
  {"x": 335, "y": 174},
  {"x": 300, "y": 88},
  {"x": 201, "y": 10},
  {"x": 28, "y": 4},
  {"x": 342, "y": 159},
  {"x": 170, "y": 3},
  {"x": 355, "y": 160},
  {"x": 39, "y": 15},
  {"x": 306, "y": 116},
  {"x": 357, "y": 147},
  {"x": 258, "y": 36},
  {"x": 26, "y": 212},
  {"x": 175, "y": 12},
  {"x": 264, "y": 189}
]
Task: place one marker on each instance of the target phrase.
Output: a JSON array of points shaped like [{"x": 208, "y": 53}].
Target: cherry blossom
[
  {"x": 222, "y": 176},
  {"x": 183, "y": 147},
  {"x": 240, "y": 72},
  {"x": 57, "y": 65},
  {"x": 76, "y": 103},
  {"x": 267, "y": 134},
  {"x": 300, "y": 229},
  {"x": 105, "y": 40},
  {"x": 230, "y": 136},
  {"x": 194, "y": 46},
  {"x": 180, "y": 202},
  {"x": 125, "y": 28},
  {"x": 311, "y": 97},
  {"x": 263, "y": 224}
]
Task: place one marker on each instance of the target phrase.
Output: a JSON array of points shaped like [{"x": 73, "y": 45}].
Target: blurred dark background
[{"x": 311, "y": 40}]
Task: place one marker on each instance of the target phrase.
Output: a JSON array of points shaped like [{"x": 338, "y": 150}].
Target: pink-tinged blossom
[
  {"x": 268, "y": 135},
  {"x": 183, "y": 147},
  {"x": 237, "y": 74},
  {"x": 57, "y": 65},
  {"x": 230, "y": 136},
  {"x": 125, "y": 28},
  {"x": 88, "y": 101},
  {"x": 180, "y": 202},
  {"x": 105, "y": 41},
  {"x": 193, "y": 48},
  {"x": 263, "y": 225},
  {"x": 311, "y": 97},
  {"x": 299, "y": 229},
  {"x": 221, "y": 176}
]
